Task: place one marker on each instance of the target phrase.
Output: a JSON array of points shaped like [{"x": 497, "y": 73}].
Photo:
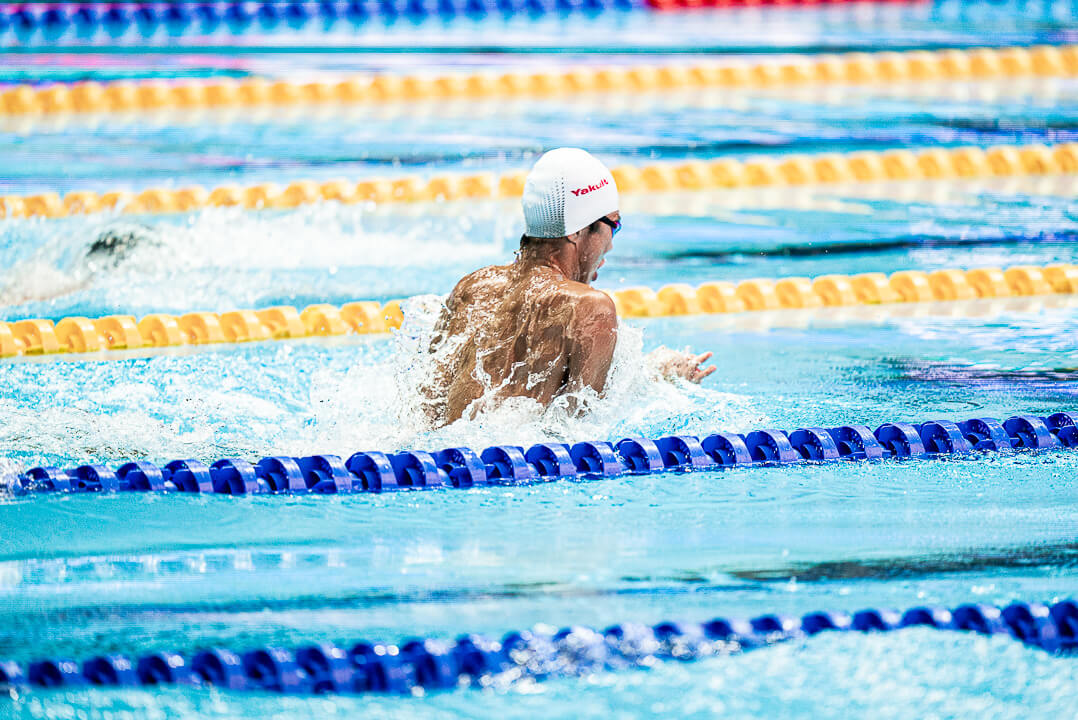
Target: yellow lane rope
[
  {"x": 906, "y": 286},
  {"x": 848, "y": 198},
  {"x": 853, "y": 68},
  {"x": 123, "y": 332},
  {"x": 1043, "y": 90},
  {"x": 780, "y": 170},
  {"x": 983, "y": 309}
]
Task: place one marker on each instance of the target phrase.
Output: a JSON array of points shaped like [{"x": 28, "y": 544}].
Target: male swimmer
[
  {"x": 536, "y": 328},
  {"x": 105, "y": 254}
]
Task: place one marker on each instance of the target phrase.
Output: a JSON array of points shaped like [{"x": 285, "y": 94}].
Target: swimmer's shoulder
[
  {"x": 590, "y": 303},
  {"x": 484, "y": 279}
]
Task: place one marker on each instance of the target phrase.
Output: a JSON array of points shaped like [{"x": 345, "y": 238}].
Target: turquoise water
[{"x": 83, "y": 575}]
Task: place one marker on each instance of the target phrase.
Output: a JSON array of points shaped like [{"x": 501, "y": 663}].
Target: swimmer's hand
[{"x": 679, "y": 364}]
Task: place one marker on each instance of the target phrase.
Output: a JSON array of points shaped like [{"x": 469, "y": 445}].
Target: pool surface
[{"x": 88, "y": 574}]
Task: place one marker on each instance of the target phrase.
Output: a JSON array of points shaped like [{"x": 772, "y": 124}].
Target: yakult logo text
[{"x": 589, "y": 188}]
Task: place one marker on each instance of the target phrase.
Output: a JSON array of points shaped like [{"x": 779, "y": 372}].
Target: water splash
[
  {"x": 226, "y": 257},
  {"x": 383, "y": 405},
  {"x": 283, "y": 398}
]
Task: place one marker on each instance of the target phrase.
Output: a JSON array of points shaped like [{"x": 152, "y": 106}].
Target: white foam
[
  {"x": 381, "y": 405},
  {"x": 172, "y": 408},
  {"x": 248, "y": 247}
]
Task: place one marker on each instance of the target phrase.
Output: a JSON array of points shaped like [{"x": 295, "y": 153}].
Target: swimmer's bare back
[
  {"x": 519, "y": 330},
  {"x": 536, "y": 328}
]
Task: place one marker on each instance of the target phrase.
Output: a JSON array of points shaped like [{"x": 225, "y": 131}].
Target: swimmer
[
  {"x": 41, "y": 280},
  {"x": 115, "y": 244},
  {"x": 536, "y": 328}
]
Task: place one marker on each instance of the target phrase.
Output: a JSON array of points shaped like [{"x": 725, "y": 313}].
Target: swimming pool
[{"x": 89, "y": 574}]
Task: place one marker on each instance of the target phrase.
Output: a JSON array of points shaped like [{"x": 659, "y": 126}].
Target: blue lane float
[
  {"x": 472, "y": 660},
  {"x": 463, "y": 467},
  {"x": 51, "y": 21},
  {"x": 176, "y": 18}
]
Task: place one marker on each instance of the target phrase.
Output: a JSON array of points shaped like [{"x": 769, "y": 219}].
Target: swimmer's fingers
[
  {"x": 701, "y": 374},
  {"x": 698, "y": 373}
]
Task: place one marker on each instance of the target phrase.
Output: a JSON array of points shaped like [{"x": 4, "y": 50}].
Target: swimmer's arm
[{"x": 592, "y": 337}]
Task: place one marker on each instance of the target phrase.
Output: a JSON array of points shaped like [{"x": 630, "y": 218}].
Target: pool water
[{"x": 82, "y": 575}]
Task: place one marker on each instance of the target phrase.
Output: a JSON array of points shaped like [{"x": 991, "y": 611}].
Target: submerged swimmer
[
  {"x": 44, "y": 278},
  {"x": 115, "y": 244},
  {"x": 536, "y": 328}
]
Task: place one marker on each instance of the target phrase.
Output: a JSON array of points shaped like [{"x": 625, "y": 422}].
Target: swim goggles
[{"x": 615, "y": 225}]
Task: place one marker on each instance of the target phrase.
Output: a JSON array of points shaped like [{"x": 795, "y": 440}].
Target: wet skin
[{"x": 534, "y": 328}]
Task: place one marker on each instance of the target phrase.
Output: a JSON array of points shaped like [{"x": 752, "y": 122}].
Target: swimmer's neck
[{"x": 563, "y": 259}]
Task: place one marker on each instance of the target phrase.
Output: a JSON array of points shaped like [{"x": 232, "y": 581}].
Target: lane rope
[
  {"x": 879, "y": 68},
  {"x": 53, "y": 22},
  {"x": 146, "y": 19},
  {"x": 79, "y": 334},
  {"x": 177, "y": 18},
  {"x": 904, "y": 286},
  {"x": 1045, "y": 90},
  {"x": 438, "y": 664},
  {"x": 680, "y": 5},
  {"x": 695, "y": 175},
  {"x": 124, "y": 332},
  {"x": 464, "y": 468}
]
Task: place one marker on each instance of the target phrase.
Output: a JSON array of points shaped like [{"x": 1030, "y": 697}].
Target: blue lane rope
[
  {"x": 463, "y": 467},
  {"x": 472, "y": 660},
  {"x": 53, "y": 20},
  {"x": 179, "y": 18}
]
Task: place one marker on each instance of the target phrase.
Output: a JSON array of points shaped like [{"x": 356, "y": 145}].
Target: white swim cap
[{"x": 567, "y": 190}]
